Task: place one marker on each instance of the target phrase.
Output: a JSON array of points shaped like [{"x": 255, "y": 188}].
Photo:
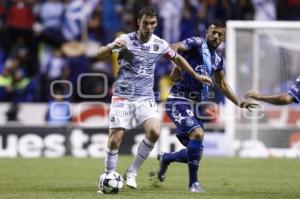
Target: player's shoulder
[
  {"x": 159, "y": 41},
  {"x": 193, "y": 42},
  {"x": 127, "y": 36}
]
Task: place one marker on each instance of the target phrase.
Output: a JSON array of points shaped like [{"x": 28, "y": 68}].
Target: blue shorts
[{"x": 184, "y": 115}]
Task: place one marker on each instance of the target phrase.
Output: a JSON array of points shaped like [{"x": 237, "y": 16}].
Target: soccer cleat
[
  {"x": 130, "y": 179},
  {"x": 196, "y": 188},
  {"x": 161, "y": 173}
]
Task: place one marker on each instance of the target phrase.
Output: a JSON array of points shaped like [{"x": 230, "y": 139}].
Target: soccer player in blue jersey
[
  {"x": 134, "y": 96},
  {"x": 289, "y": 97},
  {"x": 182, "y": 104}
]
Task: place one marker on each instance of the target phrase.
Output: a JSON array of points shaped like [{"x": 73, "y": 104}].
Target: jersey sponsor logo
[
  {"x": 119, "y": 105},
  {"x": 118, "y": 99}
]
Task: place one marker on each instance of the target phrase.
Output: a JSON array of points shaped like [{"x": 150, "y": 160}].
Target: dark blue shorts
[{"x": 184, "y": 115}]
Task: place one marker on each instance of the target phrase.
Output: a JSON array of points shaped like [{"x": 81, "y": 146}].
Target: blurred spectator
[
  {"x": 50, "y": 15},
  {"x": 265, "y": 10},
  {"x": 171, "y": 12},
  {"x": 288, "y": 10},
  {"x": 73, "y": 25},
  {"x": 18, "y": 34},
  {"x": 14, "y": 85},
  {"x": 241, "y": 10},
  {"x": 75, "y": 19},
  {"x": 57, "y": 69},
  {"x": 111, "y": 17},
  {"x": 189, "y": 20},
  {"x": 211, "y": 11}
]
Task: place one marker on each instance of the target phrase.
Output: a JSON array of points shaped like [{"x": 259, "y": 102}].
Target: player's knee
[
  {"x": 153, "y": 135},
  {"x": 114, "y": 141},
  {"x": 197, "y": 134}
]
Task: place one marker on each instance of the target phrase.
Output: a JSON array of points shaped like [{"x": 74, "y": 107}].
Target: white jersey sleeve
[{"x": 168, "y": 52}]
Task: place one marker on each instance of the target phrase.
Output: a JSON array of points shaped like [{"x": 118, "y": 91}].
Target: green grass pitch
[{"x": 221, "y": 177}]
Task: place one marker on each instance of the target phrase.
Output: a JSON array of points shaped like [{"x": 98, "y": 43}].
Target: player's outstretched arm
[
  {"x": 183, "y": 64},
  {"x": 176, "y": 74},
  {"x": 226, "y": 89},
  {"x": 277, "y": 99},
  {"x": 105, "y": 51}
]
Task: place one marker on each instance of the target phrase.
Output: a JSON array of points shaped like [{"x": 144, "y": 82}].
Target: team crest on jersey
[
  {"x": 189, "y": 122},
  {"x": 155, "y": 47}
]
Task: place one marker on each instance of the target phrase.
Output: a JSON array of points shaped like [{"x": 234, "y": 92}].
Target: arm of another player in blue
[{"x": 227, "y": 91}]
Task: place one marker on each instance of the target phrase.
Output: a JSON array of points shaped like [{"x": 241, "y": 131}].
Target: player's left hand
[
  {"x": 204, "y": 79},
  {"x": 248, "y": 105},
  {"x": 254, "y": 94}
]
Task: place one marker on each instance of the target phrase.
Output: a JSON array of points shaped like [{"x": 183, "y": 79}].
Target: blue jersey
[
  {"x": 295, "y": 90},
  {"x": 203, "y": 62}
]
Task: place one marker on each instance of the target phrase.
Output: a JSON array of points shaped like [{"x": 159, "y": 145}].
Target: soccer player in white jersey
[
  {"x": 289, "y": 97},
  {"x": 134, "y": 97}
]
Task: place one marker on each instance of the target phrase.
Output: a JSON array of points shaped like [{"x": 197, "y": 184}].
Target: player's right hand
[
  {"x": 204, "y": 79},
  {"x": 254, "y": 94},
  {"x": 118, "y": 43}
]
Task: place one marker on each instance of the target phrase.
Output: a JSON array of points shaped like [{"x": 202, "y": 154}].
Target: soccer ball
[{"x": 110, "y": 182}]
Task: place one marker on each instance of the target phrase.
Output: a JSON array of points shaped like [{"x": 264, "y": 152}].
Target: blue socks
[
  {"x": 178, "y": 156},
  {"x": 194, "y": 154}
]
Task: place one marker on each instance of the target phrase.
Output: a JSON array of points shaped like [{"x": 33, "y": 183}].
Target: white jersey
[{"x": 137, "y": 63}]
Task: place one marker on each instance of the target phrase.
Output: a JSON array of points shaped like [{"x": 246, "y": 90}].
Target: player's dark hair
[
  {"x": 148, "y": 11},
  {"x": 217, "y": 24}
]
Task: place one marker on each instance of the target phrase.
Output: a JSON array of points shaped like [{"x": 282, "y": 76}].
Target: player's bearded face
[
  {"x": 215, "y": 35},
  {"x": 147, "y": 25}
]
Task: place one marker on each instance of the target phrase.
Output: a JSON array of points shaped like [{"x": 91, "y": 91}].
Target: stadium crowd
[{"x": 46, "y": 40}]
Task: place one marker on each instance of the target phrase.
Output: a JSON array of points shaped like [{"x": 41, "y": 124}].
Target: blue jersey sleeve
[
  {"x": 295, "y": 91},
  {"x": 192, "y": 42}
]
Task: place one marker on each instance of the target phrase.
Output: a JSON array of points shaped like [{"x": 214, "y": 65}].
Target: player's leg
[
  {"x": 165, "y": 159},
  {"x": 147, "y": 116},
  {"x": 120, "y": 119},
  {"x": 181, "y": 113},
  {"x": 114, "y": 140},
  {"x": 194, "y": 155}
]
